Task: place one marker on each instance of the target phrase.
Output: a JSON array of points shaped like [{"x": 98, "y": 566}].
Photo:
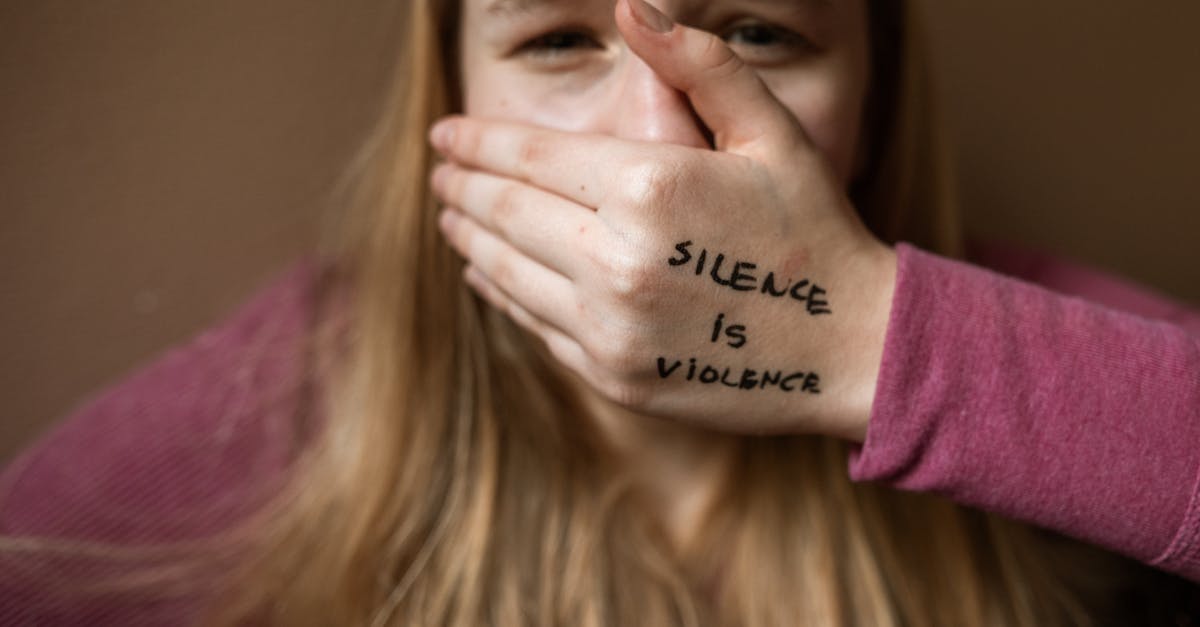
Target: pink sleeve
[
  {"x": 1047, "y": 408},
  {"x": 177, "y": 451}
]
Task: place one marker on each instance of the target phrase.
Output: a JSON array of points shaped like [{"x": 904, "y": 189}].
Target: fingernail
[
  {"x": 650, "y": 17},
  {"x": 442, "y": 134}
]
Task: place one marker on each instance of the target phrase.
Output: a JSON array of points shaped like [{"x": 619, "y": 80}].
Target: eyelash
[
  {"x": 556, "y": 44},
  {"x": 781, "y": 36}
]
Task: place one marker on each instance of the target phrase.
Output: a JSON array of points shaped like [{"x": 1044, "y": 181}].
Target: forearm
[{"x": 1003, "y": 395}]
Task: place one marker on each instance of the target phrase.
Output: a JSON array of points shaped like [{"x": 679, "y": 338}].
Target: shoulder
[{"x": 175, "y": 450}]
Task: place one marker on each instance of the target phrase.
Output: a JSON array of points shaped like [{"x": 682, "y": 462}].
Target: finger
[
  {"x": 567, "y": 164},
  {"x": 542, "y": 225},
  {"x": 544, "y": 292},
  {"x": 585, "y": 168},
  {"x": 565, "y": 349},
  {"x": 727, "y": 94}
]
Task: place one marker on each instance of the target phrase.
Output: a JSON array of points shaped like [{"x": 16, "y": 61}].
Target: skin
[
  {"x": 593, "y": 143},
  {"x": 587, "y": 79}
]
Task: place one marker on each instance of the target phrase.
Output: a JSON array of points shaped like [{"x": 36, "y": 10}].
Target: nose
[{"x": 648, "y": 109}]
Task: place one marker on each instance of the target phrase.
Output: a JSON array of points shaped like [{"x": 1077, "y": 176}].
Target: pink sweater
[
  {"x": 996, "y": 392},
  {"x": 1046, "y": 408}
]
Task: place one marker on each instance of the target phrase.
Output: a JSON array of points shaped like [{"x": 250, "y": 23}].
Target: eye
[
  {"x": 766, "y": 44},
  {"x": 558, "y": 44}
]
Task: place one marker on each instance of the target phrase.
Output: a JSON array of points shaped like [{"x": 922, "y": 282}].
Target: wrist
[{"x": 854, "y": 365}]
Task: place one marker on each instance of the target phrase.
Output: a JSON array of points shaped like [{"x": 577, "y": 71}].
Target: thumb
[{"x": 730, "y": 98}]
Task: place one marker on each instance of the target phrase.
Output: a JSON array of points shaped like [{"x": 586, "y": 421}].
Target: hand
[{"x": 734, "y": 288}]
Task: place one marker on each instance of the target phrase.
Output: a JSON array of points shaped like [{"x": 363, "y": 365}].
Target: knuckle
[
  {"x": 631, "y": 278},
  {"x": 505, "y": 205},
  {"x": 721, "y": 61},
  {"x": 531, "y": 152},
  {"x": 652, "y": 184},
  {"x": 501, "y": 271},
  {"x": 690, "y": 172},
  {"x": 628, "y": 394},
  {"x": 618, "y": 354}
]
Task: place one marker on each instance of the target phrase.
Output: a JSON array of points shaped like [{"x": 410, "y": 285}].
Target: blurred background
[{"x": 161, "y": 159}]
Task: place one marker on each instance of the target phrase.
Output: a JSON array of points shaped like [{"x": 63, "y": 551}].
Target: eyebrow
[{"x": 509, "y": 8}]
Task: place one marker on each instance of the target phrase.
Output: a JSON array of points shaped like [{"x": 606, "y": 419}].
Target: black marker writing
[
  {"x": 735, "y": 332},
  {"x": 742, "y": 278},
  {"x": 746, "y": 379}
]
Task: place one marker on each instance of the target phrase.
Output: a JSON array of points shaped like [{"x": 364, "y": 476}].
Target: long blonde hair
[{"x": 456, "y": 480}]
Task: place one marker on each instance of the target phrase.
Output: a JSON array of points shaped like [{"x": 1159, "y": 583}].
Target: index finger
[{"x": 585, "y": 168}]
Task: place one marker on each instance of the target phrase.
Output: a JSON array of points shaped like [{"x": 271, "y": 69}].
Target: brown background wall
[{"x": 159, "y": 159}]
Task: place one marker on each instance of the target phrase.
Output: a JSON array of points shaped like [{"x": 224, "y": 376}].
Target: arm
[
  {"x": 611, "y": 251},
  {"x": 1047, "y": 408},
  {"x": 177, "y": 452}
]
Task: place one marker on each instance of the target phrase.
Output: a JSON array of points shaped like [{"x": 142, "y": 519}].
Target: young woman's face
[{"x": 562, "y": 64}]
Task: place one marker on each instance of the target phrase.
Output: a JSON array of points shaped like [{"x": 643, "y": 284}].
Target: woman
[{"x": 630, "y": 197}]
